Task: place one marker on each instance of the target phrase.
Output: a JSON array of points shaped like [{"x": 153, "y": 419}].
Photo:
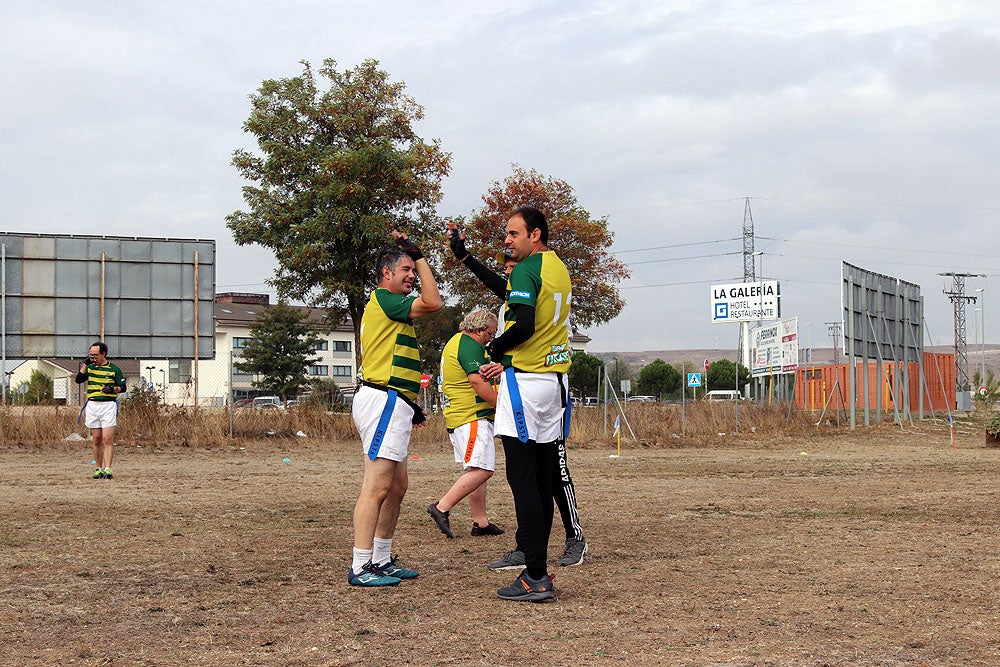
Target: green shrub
[{"x": 993, "y": 424}]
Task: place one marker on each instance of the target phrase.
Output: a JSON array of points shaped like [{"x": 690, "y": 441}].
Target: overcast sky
[{"x": 861, "y": 131}]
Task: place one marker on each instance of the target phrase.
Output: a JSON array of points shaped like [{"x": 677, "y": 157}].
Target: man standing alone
[
  {"x": 104, "y": 382},
  {"x": 383, "y": 409},
  {"x": 532, "y": 407}
]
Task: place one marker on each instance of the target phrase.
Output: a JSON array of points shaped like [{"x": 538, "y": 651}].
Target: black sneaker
[
  {"x": 489, "y": 529},
  {"x": 107, "y": 474},
  {"x": 440, "y": 518},
  {"x": 98, "y": 474},
  {"x": 512, "y": 560},
  {"x": 573, "y": 555},
  {"x": 526, "y": 589}
]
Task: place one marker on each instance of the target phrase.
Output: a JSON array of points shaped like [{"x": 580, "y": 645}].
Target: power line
[
  {"x": 680, "y": 259},
  {"x": 870, "y": 247},
  {"x": 667, "y": 247},
  {"x": 845, "y": 202}
]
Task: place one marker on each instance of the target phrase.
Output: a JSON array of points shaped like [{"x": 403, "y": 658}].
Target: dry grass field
[{"x": 775, "y": 546}]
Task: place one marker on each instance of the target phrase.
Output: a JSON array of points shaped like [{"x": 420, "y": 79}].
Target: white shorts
[
  {"x": 101, "y": 414},
  {"x": 473, "y": 443},
  {"x": 541, "y": 401},
  {"x": 367, "y": 410}
]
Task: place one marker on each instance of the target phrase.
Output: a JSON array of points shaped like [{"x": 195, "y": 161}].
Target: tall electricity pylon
[{"x": 959, "y": 298}]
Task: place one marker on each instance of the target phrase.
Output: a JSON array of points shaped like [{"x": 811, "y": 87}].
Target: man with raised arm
[
  {"x": 532, "y": 413},
  {"x": 562, "y": 485},
  {"x": 384, "y": 410}
]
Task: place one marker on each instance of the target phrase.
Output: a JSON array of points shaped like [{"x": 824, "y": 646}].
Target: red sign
[
  {"x": 425, "y": 380},
  {"x": 706, "y": 365}
]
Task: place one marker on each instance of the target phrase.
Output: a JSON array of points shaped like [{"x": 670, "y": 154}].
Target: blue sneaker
[
  {"x": 390, "y": 569},
  {"x": 369, "y": 576}
]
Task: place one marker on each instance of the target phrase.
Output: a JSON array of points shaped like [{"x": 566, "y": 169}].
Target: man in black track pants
[{"x": 564, "y": 492}]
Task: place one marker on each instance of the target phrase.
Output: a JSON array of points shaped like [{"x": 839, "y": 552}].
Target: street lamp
[
  {"x": 151, "y": 369},
  {"x": 163, "y": 383},
  {"x": 982, "y": 331},
  {"x": 760, "y": 280}
]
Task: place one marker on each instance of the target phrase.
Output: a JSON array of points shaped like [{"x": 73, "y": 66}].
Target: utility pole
[
  {"x": 834, "y": 329},
  {"x": 959, "y": 298},
  {"x": 749, "y": 276}
]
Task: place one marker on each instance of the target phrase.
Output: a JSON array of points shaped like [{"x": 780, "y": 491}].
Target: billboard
[
  {"x": 147, "y": 298},
  {"x": 882, "y": 316},
  {"x": 775, "y": 348},
  {"x": 746, "y": 302}
]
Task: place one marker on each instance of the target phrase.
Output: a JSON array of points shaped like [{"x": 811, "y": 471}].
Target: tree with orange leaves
[{"x": 580, "y": 240}]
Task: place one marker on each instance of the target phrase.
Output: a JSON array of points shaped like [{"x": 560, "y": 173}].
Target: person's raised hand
[
  {"x": 407, "y": 246},
  {"x": 456, "y": 239}
]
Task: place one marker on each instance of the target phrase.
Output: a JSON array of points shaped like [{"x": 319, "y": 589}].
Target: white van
[
  {"x": 723, "y": 395},
  {"x": 268, "y": 403}
]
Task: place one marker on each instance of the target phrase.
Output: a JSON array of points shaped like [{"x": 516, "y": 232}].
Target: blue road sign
[{"x": 694, "y": 379}]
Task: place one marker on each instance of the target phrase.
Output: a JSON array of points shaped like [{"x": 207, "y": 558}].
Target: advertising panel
[{"x": 746, "y": 302}]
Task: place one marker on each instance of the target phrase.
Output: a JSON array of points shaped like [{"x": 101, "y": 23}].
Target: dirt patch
[{"x": 877, "y": 547}]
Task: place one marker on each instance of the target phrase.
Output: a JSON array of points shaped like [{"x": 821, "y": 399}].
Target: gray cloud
[{"x": 869, "y": 126}]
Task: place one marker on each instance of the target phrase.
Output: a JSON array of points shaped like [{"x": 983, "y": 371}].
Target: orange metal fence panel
[{"x": 817, "y": 387}]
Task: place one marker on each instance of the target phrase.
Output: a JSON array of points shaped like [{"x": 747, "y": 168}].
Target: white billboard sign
[
  {"x": 775, "y": 348},
  {"x": 746, "y": 302}
]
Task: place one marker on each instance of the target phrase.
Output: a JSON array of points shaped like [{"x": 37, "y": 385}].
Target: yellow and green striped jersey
[
  {"x": 541, "y": 281},
  {"x": 389, "y": 354},
  {"x": 461, "y": 356},
  {"x": 100, "y": 376}
]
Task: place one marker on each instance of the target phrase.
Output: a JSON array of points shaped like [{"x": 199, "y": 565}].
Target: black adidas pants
[{"x": 531, "y": 468}]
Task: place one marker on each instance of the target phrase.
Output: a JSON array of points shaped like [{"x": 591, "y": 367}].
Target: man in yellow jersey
[
  {"x": 384, "y": 411},
  {"x": 469, "y": 400},
  {"x": 564, "y": 491},
  {"x": 104, "y": 382},
  {"x": 532, "y": 413}
]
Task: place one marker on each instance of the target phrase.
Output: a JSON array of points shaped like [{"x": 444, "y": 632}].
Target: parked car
[
  {"x": 268, "y": 403},
  {"x": 641, "y": 399},
  {"x": 591, "y": 400},
  {"x": 723, "y": 395}
]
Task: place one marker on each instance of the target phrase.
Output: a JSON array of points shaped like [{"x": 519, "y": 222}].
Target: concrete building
[{"x": 207, "y": 382}]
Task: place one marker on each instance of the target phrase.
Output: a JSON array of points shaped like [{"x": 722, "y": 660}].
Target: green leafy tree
[
  {"x": 579, "y": 239},
  {"x": 583, "y": 373},
  {"x": 39, "y": 389},
  {"x": 722, "y": 375},
  {"x": 433, "y": 332},
  {"x": 659, "y": 379},
  {"x": 279, "y": 349},
  {"x": 336, "y": 171}
]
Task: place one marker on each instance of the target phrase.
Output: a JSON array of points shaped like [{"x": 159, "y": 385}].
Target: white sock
[
  {"x": 382, "y": 553},
  {"x": 361, "y": 558}
]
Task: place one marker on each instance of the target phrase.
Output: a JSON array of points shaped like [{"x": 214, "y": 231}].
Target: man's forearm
[{"x": 494, "y": 283}]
